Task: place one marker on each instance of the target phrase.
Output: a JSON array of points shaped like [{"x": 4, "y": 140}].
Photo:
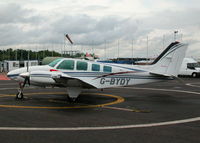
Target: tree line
[{"x": 20, "y": 54}]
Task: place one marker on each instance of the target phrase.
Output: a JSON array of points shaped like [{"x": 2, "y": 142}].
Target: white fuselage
[{"x": 104, "y": 76}]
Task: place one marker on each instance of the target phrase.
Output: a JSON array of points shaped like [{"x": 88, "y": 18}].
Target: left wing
[
  {"x": 67, "y": 80},
  {"x": 60, "y": 79}
]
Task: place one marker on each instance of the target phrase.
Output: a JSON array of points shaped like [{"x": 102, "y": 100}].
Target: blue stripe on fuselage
[{"x": 12, "y": 75}]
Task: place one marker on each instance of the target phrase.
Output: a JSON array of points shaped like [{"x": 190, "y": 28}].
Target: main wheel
[
  {"x": 194, "y": 74},
  {"x": 71, "y": 99},
  {"x": 19, "y": 95}
]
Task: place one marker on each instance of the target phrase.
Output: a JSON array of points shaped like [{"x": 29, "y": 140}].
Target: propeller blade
[
  {"x": 27, "y": 64},
  {"x": 26, "y": 77},
  {"x": 26, "y": 80}
]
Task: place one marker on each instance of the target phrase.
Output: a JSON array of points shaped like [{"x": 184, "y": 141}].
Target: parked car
[{"x": 190, "y": 67}]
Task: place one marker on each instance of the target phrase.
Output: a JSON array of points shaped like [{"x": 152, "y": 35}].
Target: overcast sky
[{"x": 100, "y": 24}]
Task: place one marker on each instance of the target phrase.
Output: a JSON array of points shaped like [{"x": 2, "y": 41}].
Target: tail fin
[{"x": 170, "y": 60}]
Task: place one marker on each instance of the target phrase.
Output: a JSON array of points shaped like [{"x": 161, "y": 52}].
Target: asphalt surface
[{"x": 112, "y": 115}]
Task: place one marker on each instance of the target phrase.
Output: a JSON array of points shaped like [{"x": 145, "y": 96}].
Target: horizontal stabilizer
[{"x": 158, "y": 74}]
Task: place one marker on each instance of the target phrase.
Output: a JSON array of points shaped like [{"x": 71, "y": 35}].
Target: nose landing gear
[{"x": 20, "y": 94}]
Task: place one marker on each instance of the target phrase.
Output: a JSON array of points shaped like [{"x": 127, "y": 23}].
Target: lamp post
[
  {"x": 147, "y": 50},
  {"x": 118, "y": 50},
  {"x": 132, "y": 51},
  {"x": 105, "y": 50},
  {"x": 175, "y": 33},
  {"x": 163, "y": 41}
]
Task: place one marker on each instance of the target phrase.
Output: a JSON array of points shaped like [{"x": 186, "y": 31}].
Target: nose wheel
[{"x": 20, "y": 94}]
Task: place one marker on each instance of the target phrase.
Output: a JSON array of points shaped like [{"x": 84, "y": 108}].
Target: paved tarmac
[{"x": 157, "y": 112}]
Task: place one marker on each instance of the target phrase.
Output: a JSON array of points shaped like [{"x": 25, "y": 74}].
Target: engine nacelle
[{"x": 42, "y": 77}]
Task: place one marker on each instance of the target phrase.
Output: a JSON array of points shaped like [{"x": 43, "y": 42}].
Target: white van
[{"x": 190, "y": 67}]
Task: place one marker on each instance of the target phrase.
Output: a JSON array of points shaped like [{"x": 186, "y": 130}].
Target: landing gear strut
[
  {"x": 73, "y": 93},
  {"x": 20, "y": 95}
]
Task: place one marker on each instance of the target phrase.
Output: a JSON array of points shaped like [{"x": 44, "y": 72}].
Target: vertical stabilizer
[{"x": 170, "y": 60}]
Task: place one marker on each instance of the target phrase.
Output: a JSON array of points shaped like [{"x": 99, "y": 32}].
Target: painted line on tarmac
[
  {"x": 7, "y": 88},
  {"x": 127, "y": 109},
  {"x": 192, "y": 84},
  {"x": 9, "y": 84},
  {"x": 167, "y": 123},
  {"x": 171, "y": 90},
  {"x": 102, "y": 128},
  {"x": 117, "y": 101},
  {"x": 117, "y": 108}
]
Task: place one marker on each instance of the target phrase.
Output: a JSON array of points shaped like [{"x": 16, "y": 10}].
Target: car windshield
[{"x": 52, "y": 64}]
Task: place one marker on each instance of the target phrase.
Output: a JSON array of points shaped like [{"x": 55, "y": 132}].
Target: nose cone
[{"x": 11, "y": 74}]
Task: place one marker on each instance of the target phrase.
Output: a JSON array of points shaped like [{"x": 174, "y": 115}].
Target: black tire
[
  {"x": 194, "y": 75},
  {"x": 72, "y": 100},
  {"x": 19, "y": 95}
]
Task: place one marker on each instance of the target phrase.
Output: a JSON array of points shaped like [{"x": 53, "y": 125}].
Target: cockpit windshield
[{"x": 52, "y": 64}]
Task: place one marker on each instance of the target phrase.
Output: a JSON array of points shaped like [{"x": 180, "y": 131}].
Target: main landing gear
[
  {"x": 20, "y": 94},
  {"x": 73, "y": 93}
]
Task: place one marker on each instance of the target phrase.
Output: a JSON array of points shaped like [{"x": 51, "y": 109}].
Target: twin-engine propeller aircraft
[{"x": 76, "y": 74}]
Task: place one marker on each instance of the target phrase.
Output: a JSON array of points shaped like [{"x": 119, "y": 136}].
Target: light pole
[
  {"x": 118, "y": 50},
  {"x": 132, "y": 51},
  {"x": 175, "y": 32},
  {"x": 163, "y": 41},
  {"x": 105, "y": 50},
  {"x": 181, "y": 37},
  {"x": 147, "y": 49}
]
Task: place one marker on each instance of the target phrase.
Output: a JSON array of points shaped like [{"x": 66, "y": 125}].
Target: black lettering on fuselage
[
  {"x": 112, "y": 81},
  {"x": 122, "y": 82},
  {"x": 102, "y": 81},
  {"x": 127, "y": 80},
  {"x": 115, "y": 81}
]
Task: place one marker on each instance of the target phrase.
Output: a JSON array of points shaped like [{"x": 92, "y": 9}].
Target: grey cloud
[
  {"x": 94, "y": 7},
  {"x": 77, "y": 24},
  {"x": 10, "y": 35},
  {"x": 12, "y": 13},
  {"x": 85, "y": 29},
  {"x": 173, "y": 19},
  {"x": 13, "y": 20}
]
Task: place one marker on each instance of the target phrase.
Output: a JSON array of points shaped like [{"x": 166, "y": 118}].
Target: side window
[
  {"x": 107, "y": 69},
  {"x": 66, "y": 65},
  {"x": 81, "y": 65},
  {"x": 95, "y": 67},
  {"x": 190, "y": 66}
]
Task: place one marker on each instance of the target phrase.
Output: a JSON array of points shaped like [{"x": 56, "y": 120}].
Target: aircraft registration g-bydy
[{"x": 77, "y": 74}]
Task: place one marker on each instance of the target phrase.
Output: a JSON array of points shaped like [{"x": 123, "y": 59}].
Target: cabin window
[
  {"x": 107, "y": 69},
  {"x": 81, "y": 65},
  {"x": 52, "y": 64},
  {"x": 66, "y": 65},
  {"x": 95, "y": 67}
]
